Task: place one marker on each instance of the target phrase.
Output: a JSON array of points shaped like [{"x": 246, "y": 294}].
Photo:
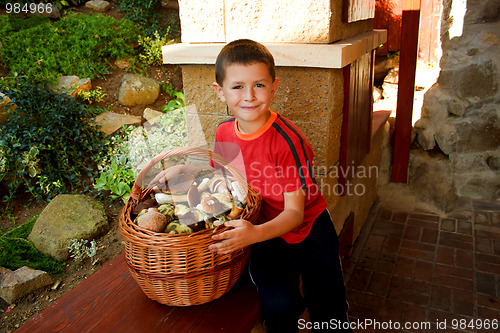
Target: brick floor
[{"x": 439, "y": 272}]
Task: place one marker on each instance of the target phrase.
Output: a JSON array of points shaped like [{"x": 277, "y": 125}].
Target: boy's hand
[{"x": 243, "y": 234}]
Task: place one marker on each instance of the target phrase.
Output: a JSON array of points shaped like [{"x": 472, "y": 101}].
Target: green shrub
[
  {"x": 16, "y": 251},
  {"x": 152, "y": 54},
  {"x": 49, "y": 145},
  {"x": 146, "y": 14},
  {"x": 75, "y": 45}
]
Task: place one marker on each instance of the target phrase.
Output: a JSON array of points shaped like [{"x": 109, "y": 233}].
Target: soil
[{"x": 111, "y": 244}]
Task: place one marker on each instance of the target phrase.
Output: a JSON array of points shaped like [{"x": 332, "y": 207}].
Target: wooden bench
[{"x": 111, "y": 301}]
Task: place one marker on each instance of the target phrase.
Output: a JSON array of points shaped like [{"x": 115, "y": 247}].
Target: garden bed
[{"x": 23, "y": 208}]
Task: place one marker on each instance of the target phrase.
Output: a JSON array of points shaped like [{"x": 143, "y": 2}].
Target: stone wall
[{"x": 460, "y": 122}]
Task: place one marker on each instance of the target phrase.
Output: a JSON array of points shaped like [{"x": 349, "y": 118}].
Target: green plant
[
  {"x": 92, "y": 96},
  {"x": 49, "y": 144},
  {"x": 178, "y": 101},
  {"x": 81, "y": 248},
  {"x": 116, "y": 179},
  {"x": 145, "y": 13},
  {"x": 131, "y": 148},
  {"x": 74, "y": 45},
  {"x": 16, "y": 251},
  {"x": 152, "y": 54}
]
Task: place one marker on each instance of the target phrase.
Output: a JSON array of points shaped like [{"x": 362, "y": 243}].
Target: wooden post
[{"x": 406, "y": 88}]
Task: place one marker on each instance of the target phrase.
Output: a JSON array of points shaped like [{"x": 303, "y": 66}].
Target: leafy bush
[
  {"x": 152, "y": 54},
  {"x": 75, "y": 45},
  {"x": 16, "y": 251},
  {"x": 131, "y": 148},
  {"x": 146, "y": 14},
  {"x": 49, "y": 145}
]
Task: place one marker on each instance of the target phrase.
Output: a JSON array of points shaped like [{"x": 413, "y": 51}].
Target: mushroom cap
[
  {"x": 152, "y": 220},
  {"x": 211, "y": 205}
]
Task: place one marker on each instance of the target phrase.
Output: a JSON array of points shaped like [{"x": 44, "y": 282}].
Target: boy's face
[{"x": 248, "y": 91}]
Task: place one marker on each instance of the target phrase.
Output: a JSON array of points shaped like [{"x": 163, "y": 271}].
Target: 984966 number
[
  {"x": 485, "y": 324},
  {"x": 28, "y": 8}
]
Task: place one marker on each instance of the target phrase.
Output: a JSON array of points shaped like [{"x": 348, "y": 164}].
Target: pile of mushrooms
[{"x": 189, "y": 201}]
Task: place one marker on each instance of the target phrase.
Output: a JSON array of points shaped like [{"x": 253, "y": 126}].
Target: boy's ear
[
  {"x": 275, "y": 85},
  {"x": 218, "y": 90}
]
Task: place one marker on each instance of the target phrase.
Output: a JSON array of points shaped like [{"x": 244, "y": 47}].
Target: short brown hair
[{"x": 244, "y": 52}]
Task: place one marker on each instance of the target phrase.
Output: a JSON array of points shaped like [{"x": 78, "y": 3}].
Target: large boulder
[
  {"x": 65, "y": 217},
  {"x": 138, "y": 90}
]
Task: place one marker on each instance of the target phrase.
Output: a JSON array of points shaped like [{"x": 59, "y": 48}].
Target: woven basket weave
[{"x": 179, "y": 270}]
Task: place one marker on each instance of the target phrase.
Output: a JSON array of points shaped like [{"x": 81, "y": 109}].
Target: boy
[{"x": 294, "y": 237}]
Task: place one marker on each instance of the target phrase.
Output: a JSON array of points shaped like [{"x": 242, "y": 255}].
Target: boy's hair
[{"x": 244, "y": 52}]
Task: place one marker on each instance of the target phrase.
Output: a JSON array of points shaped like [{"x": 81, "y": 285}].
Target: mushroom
[
  {"x": 193, "y": 196},
  {"x": 180, "y": 184},
  {"x": 152, "y": 220},
  {"x": 211, "y": 205},
  {"x": 203, "y": 186},
  {"x": 239, "y": 194},
  {"x": 235, "y": 213}
]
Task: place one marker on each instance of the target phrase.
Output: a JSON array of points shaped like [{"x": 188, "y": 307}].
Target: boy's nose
[{"x": 250, "y": 94}]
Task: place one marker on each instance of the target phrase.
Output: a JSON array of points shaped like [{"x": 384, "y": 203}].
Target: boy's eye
[
  {"x": 237, "y": 87},
  {"x": 260, "y": 85}
]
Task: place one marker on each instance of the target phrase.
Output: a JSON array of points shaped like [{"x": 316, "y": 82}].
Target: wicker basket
[{"x": 179, "y": 270}]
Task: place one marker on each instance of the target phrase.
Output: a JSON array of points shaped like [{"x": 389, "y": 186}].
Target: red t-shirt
[{"x": 275, "y": 159}]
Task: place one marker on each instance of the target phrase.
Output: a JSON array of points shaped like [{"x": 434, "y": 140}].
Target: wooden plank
[
  {"x": 406, "y": 89},
  {"x": 111, "y": 301}
]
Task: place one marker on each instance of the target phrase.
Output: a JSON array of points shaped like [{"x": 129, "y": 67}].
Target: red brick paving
[{"x": 434, "y": 273}]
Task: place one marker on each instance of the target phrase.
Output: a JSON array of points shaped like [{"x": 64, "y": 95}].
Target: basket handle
[{"x": 136, "y": 190}]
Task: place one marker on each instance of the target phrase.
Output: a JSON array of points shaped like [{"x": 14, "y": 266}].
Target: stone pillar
[{"x": 311, "y": 45}]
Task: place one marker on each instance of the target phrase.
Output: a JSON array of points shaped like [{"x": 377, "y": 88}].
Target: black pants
[{"x": 276, "y": 267}]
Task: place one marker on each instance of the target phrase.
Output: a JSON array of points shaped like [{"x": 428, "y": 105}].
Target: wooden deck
[{"x": 111, "y": 301}]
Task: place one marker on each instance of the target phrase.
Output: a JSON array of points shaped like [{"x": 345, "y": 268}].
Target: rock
[
  {"x": 65, "y": 217},
  {"x": 111, "y": 122},
  {"x": 3, "y": 273},
  {"x": 71, "y": 85},
  {"x": 446, "y": 138},
  {"x": 122, "y": 63},
  {"x": 138, "y": 90},
  {"x": 425, "y": 133},
  {"x": 431, "y": 179},
  {"x": 98, "y": 5},
  {"x": 52, "y": 12},
  {"x": 170, "y": 4},
  {"x": 150, "y": 115},
  {"x": 480, "y": 132},
  {"x": 5, "y": 108},
  {"x": 435, "y": 104},
  {"x": 494, "y": 162},
  {"x": 22, "y": 282},
  {"x": 471, "y": 81}
]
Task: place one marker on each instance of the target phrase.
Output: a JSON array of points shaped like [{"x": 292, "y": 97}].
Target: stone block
[
  {"x": 293, "y": 21},
  {"x": 71, "y": 85},
  {"x": 150, "y": 115},
  {"x": 22, "y": 282},
  {"x": 471, "y": 81},
  {"x": 138, "y": 90},
  {"x": 66, "y": 217},
  {"x": 279, "y": 21},
  {"x": 98, "y": 5},
  {"x": 111, "y": 122},
  {"x": 202, "y": 23}
]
